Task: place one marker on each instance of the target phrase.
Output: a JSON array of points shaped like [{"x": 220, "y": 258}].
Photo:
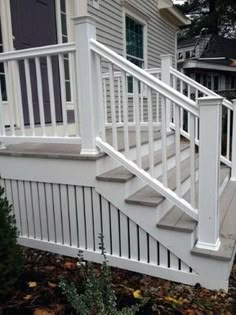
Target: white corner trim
[{"x": 209, "y": 246}]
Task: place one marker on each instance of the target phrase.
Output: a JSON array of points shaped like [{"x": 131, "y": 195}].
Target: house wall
[{"x": 110, "y": 28}]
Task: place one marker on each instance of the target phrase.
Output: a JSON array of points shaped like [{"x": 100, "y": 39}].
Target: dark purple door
[{"x": 34, "y": 25}]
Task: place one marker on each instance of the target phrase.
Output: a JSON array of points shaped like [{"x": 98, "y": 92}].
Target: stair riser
[
  {"x": 166, "y": 206},
  {"x": 107, "y": 164}
]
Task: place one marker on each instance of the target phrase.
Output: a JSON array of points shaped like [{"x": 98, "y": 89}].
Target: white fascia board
[
  {"x": 209, "y": 66},
  {"x": 168, "y": 6}
]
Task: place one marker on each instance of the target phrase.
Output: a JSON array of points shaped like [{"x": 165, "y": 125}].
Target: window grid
[{"x": 134, "y": 45}]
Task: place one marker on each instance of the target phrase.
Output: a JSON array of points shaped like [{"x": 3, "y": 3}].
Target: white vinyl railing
[
  {"x": 154, "y": 89},
  {"x": 143, "y": 97},
  {"x": 194, "y": 90},
  {"x": 37, "y": 108}
]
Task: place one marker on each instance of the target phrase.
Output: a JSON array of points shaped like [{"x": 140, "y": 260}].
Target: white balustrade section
[
  {"x": 194, "y": 90},
  {"x": 37, "y": 105},
  {"x": 141, "y": 109}
]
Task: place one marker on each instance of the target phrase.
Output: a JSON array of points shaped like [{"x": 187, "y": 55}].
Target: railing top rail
[
  {"x": 37, "y": 52},
  {"x": 118, "y": 74},
  {"x": 145, "y": 77},
  {"x": 198, "y": 86}
]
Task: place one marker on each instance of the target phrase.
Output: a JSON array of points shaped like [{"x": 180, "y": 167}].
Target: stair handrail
[
  {"x": 143, "y": 76},
  {"x": 198, "y": 86}
]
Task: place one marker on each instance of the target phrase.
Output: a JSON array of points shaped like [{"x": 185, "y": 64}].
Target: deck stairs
[{"x": 163, "y": 220}]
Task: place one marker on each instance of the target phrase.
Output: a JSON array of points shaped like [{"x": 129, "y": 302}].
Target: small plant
[
  {"x": 10, "y": 253},
  {"x": 98, "y": 296}
]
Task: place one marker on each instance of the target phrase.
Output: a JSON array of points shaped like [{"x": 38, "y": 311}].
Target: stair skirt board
[{"x": 65, "y": 219}]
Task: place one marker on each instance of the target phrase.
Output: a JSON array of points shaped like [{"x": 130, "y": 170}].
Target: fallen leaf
[
  {"x": 52, "y": 285},
  {"x": 70, "y": 265},
  {"x": 27, "y": 297},
  {"x": 40, "y": 311},
  {"x": 172, "y": 300},
  {"x": 32, "y": 284},
  {"x": 137, "y": 294}
]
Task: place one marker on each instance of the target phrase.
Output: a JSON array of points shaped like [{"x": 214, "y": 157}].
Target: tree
[
  {"x": 210, "y": 16},
  {"x": 10, "y": 254}
]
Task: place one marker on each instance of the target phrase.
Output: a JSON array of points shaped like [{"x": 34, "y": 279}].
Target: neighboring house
[
  {"x": 211, "y": 61},
  {"x": 93, "y": 140}
]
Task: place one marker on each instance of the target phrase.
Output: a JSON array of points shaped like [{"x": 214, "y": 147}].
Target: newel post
[
  {"x": 210, "y": 111},
  {"x": 166, "y": 63},
  {"x": 233, "y": 171},
  {"x": 86, "y": 72}
]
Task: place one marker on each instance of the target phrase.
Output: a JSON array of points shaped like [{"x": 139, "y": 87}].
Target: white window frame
[{"x": 140, "y": 19}]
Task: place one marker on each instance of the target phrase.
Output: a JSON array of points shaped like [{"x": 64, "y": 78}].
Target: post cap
[
  {"x": 84, "y": 19},
  {"x": 210, "y": 101}
]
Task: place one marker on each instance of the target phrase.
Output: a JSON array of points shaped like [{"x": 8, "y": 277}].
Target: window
[
  {"x": 134, "y": 45},
  {"x": 216, "y": 83},
  {"x": 64, "y": 39}
]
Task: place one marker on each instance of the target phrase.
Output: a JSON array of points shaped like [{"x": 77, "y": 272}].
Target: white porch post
[
  {"x": 209, "y": 165},
  {"x": 166, "y": 63},
  {"x": 85, "y": 30},
  {"x": 233, "y": 171}
]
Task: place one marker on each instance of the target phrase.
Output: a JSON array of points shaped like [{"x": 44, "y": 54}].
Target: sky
[{"x": 178, "y": 1}]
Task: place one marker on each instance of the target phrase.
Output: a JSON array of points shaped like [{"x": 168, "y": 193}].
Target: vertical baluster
[
  {"x": 19, "y": 98},
  {"x": 100, "y": 96},
  {"x": 40, "y": 95},
  {"x": 158, "y": 103},
  {"x": 163, "y": 140},
  {"x": 29, "y": 96},
  {"x": 228, "y": 133},
  {"x": 177, "y": 149},
  {"x": 119, "y": 100},
  {"x": 181, "y": 109},
  {"x": 105, "y": 99},
  {"x": 9, "y": 97},
  {"x": 141, "y": 101},
  {"x": 125, "y": 112},
  {"x": 137, "y": 125},
  {"x": 51, "y": 95},
  {"x": 189, "y": 96},
  {"x": 63, "y": 94},
  {"x": 150, "y": 132},
  {"x": 192, "y": 160},
  {"x": 113, "y": 107},
  {"x": 74, "y": 93},
  {"x": 2, "y": 123}
]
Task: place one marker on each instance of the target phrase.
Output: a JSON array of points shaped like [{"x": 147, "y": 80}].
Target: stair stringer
[{"x": 212, "y": 273}]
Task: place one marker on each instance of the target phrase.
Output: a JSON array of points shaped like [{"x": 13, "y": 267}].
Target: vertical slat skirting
[
  {"x": 89, "y": 218},
  {"x": 58, "y": 215},
  {"x": 43, "y": 211},
  {"x": 75, "y": 216},
  {"x": 97, "y": 219}
]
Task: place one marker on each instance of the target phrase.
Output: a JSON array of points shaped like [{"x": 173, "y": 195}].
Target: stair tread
[
  {"x": 149, "y": 197},
  {"x": 175, "y": 219},
  {"x": 121, "y": 174}
]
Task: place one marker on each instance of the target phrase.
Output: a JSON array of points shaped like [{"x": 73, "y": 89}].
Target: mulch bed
[{"x": 37, "y": 293}]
